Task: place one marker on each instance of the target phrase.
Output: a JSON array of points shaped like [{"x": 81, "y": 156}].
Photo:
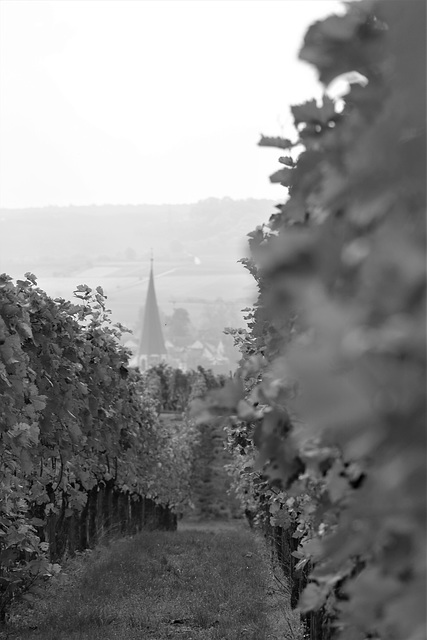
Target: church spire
[{"x": 152, "y": 342}]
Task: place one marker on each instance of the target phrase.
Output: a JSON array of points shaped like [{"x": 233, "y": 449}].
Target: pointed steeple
[{"x": 152, "y": 342}]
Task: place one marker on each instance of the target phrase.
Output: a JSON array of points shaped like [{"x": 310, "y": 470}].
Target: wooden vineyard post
[
  {"x": 73, "y": 532},
  {"x": 133, "y": 515},
  {"x": 143, "y": 512},
  {"x": 99, "y": 504},
  {"x": 123, "y": 512},
  {"x": 83, "y": 525},
  {"x": 106, "y": 499},
  {"x": 51, "y": 536},
  {"x": 92, "y": 519},
  {"x": 116, "y": 510}
]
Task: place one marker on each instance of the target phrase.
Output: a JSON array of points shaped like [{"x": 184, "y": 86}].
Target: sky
[{"x": 140, "y": 101}]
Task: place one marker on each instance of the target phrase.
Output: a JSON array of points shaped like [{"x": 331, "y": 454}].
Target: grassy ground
[{"x": 200, "y": 583}]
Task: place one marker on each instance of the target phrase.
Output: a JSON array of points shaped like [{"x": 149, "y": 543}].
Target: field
[{"x": 190, "y": 286}]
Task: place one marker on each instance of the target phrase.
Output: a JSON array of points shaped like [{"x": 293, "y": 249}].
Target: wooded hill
[{"x": 74, "y": 237}]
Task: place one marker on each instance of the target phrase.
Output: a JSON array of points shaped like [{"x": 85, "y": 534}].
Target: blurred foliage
[{"x": 328, "y": 408}]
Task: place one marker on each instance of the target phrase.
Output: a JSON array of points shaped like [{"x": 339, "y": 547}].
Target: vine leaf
[
  {"x": 311, "y": 112},
  {"x": 283, "y": 176},
  {"x": 276, "y": 142}
]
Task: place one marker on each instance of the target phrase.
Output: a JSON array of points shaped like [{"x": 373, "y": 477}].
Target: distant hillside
[{"x": 68, "y": 239}]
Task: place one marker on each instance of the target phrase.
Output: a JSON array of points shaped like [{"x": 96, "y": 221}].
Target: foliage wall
[
  {"x": 328, "y": 409},
  {"x": 73, "y": 420}
]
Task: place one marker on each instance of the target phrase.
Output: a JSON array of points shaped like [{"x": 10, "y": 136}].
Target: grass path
[{"x": 199, "y": 583}]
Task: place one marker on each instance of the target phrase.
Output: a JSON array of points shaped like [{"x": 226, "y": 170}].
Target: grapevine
[
  {"x": 81, "y": 442},
  {"x": 327, "y": 412}
]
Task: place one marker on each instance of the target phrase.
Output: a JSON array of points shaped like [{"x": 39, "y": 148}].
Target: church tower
[{"x": 152, "y": 349}]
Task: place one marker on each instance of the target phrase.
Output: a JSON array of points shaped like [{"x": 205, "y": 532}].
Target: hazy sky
[{"x": 147, "y": 102}]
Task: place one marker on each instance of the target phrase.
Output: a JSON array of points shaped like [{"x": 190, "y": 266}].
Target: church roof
[{"x": 152, "y": 342}]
